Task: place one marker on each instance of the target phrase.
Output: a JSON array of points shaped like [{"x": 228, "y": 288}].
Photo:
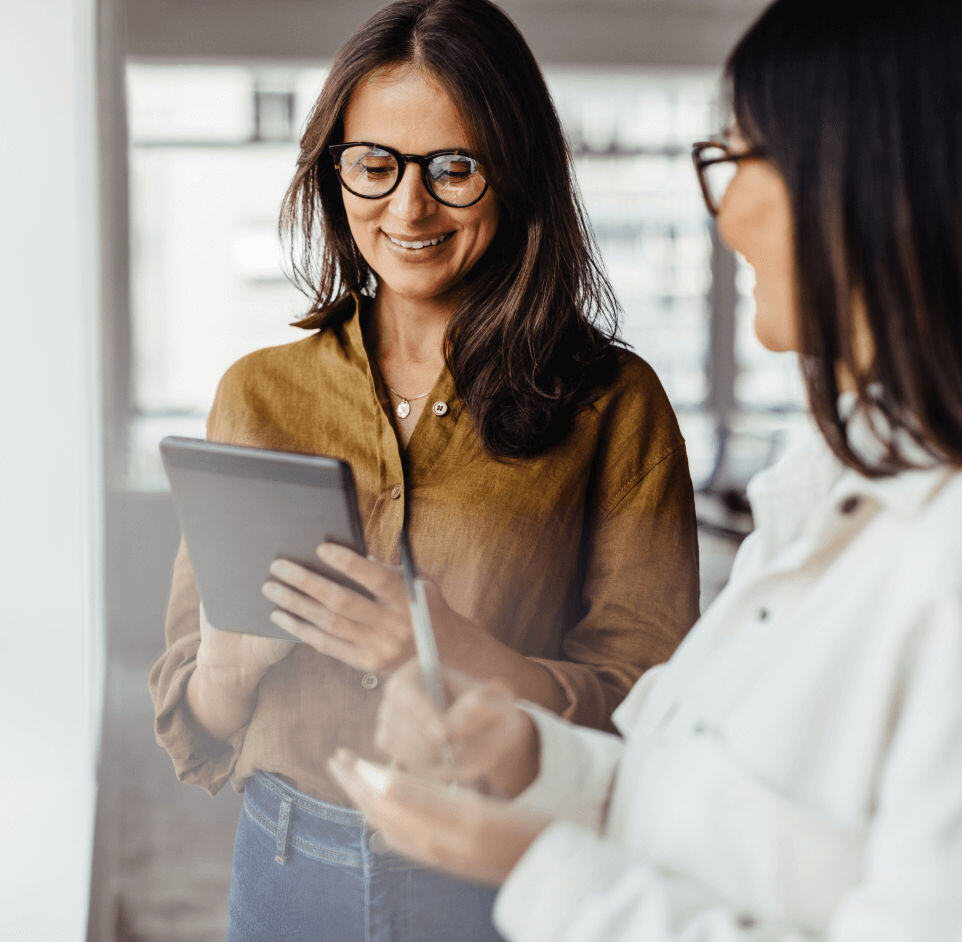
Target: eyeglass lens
[
  {"x": 372, "y": 172},
  {"x": 717, "y": 176}
]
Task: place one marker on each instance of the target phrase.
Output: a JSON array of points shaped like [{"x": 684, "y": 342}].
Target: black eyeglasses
[
  {"x": 716, "y": 166},
  {"x": 371, "y": 171}
]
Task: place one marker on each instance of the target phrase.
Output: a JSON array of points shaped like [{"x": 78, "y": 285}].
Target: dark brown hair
[
  {"x": 532, "y": 337},
  {"x": 859, "y": 106}
]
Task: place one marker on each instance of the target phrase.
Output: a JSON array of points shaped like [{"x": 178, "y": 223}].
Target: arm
[
  {"x": 199, "y": 757},
  {"x": 204, "y": 685},
  {"x": 572, "y": 884},
  {"x": 640, "y": 589}
]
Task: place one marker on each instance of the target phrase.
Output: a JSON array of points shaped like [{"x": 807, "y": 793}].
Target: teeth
[{"x": 417, "y": 245}]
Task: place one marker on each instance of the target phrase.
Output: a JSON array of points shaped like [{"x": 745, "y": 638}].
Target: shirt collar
[
  {"x": 354, "y": 304},
  {"x": 445, "y": 389}
]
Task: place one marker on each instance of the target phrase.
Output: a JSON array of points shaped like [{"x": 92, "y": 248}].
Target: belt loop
[{"x": 283, "y": 826}]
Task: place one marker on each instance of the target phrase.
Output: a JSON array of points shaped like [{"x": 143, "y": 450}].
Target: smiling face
[
  {"x": 419, "y": 249},
  {"x": 755, "y": 220}
]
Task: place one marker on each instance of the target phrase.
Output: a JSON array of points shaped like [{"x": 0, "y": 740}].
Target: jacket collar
[{"x": 786, "y": 495}]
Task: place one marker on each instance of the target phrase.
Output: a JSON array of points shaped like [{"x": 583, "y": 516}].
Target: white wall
[{"x": 51, "y": 635}]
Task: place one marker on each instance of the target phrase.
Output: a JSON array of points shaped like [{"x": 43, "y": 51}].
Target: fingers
[
  {"x": 458, "y": 830},
  {"x": 321, "y": 641},
  {"x": 409, "y": 807},
  {"x": 334, "y": 597},
  {"x": 316, "y": 614},
  {"x": 383, "y": 582}
]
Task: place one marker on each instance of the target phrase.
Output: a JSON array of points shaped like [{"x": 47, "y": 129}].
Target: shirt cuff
[
  {"x": 577, "y": 767},
  {"x": 544, "y": 897},
  {"x": 197, "y": 757}
]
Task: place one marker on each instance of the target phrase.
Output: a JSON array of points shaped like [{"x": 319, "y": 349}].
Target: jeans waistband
[{"x": 312, "y": 827}]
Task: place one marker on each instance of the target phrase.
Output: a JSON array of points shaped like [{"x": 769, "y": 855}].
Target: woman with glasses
[
  {"x": 794, "y": 771},
  {"x": 461, "y": 359}
]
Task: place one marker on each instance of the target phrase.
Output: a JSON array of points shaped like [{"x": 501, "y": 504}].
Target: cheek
[
  {"x": 362, "y": 215},
  {"x": 485, "y": 226},
  {"x": 756, "y": 223}
]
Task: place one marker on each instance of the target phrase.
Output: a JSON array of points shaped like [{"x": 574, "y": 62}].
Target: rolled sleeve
[{"x": 198, "y": 758}]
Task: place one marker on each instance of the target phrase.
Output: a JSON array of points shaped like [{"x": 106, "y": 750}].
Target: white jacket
[{"x": 794, "y": 772}]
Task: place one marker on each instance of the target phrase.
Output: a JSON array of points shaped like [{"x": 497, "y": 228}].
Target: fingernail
[
  {"x": 280, "y": 567},
  {"x": 330, "y": 553},
  {"x": 271, "y": 589},
  {"x": 376, "y": 778}
]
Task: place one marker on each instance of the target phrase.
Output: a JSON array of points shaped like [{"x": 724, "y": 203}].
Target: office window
[{"x": 212, "y": 149}]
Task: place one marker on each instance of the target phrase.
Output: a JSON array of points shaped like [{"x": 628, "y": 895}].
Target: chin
[
  {"x": 774, "y": 325},
  {"x": 415, "y": 289}
]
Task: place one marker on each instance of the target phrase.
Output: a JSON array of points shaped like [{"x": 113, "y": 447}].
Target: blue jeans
[{"x": 308, "y": 870}]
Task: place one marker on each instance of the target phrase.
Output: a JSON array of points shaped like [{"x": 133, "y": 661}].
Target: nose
[{"x": 411, "y": 201}]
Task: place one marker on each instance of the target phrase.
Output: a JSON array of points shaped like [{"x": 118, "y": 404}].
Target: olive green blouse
[{"x": 583, "y": 558}]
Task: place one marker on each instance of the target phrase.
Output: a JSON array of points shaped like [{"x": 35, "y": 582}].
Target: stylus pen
[
  {"x": 426, "y": 645},
  {"x": 424, "y": 641}
]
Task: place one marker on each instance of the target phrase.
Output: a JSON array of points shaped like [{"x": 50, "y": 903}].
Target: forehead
[{"x": 406, "y": 109}]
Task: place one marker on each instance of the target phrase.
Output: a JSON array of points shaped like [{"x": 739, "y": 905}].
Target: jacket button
[
  {"x": 396, "y": 491},
  {"x": 763, "y": 614},
  {"x": 849, "y": 505},
  {"x": 369, "y": 681},
  {"x": 440, "y": 408}
]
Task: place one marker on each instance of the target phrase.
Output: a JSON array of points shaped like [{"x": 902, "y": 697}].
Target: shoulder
[
  {"x": 633, "y": 406},
  {"x": 261, "y": 366},
  {"x": 635, "y": 432},
  {"x": 931, "y": 549},
  {"x": 277, "y": 370},
  {"x": 262, "y": 383}
]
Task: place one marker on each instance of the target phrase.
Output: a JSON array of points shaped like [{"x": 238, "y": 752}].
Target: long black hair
[
  {"x": 532, "y": 337},
  {"x": 859, "y": 106}
]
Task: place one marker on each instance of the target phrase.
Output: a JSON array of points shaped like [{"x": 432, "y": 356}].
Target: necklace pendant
[{"x": 403, "y": 409}]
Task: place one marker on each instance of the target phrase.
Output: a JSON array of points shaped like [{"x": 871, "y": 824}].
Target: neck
[{"x": 409, "y": 331}]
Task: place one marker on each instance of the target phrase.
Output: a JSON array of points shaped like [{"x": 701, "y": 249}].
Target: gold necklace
[{"x": 403, "y": 409}]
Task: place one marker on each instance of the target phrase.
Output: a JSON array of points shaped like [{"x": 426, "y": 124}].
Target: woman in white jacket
[{"x": 795, "y": 770}]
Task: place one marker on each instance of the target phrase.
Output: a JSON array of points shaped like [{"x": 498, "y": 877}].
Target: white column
[{"x": 51, "y": 620}]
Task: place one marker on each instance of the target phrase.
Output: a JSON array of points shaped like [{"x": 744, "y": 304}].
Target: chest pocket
[{"x": 697, "y": 812}]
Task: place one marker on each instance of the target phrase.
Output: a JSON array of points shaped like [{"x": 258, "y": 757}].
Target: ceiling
[{"x": 628, "y": 32}]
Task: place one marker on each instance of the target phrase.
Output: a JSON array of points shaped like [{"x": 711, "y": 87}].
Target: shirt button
[
  {"x": 377, "y": 844},
  {"x": 849, "y": 505},
  {"x": 763, "y": 614},
  {"x": 440, "y": 408},
  {"x": 369, "y": 681},
  {"x": 396, "y": 491},
  {"x": 747, "y": 922}
]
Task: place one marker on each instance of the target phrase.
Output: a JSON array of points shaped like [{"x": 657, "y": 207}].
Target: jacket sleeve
[
  {"x": 640, "y": 589},
  {"x": 574, "y": 884},
  {"x": 576, "y": 771}
]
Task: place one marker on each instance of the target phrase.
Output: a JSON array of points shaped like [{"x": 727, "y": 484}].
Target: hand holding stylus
[{"x": 493, "y": 741}]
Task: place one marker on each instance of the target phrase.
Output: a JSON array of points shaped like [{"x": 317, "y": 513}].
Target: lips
[{"x": 414, "y": 245}]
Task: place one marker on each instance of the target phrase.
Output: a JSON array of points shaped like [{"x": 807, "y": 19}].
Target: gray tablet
[{"x": 241, "y": 508}]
